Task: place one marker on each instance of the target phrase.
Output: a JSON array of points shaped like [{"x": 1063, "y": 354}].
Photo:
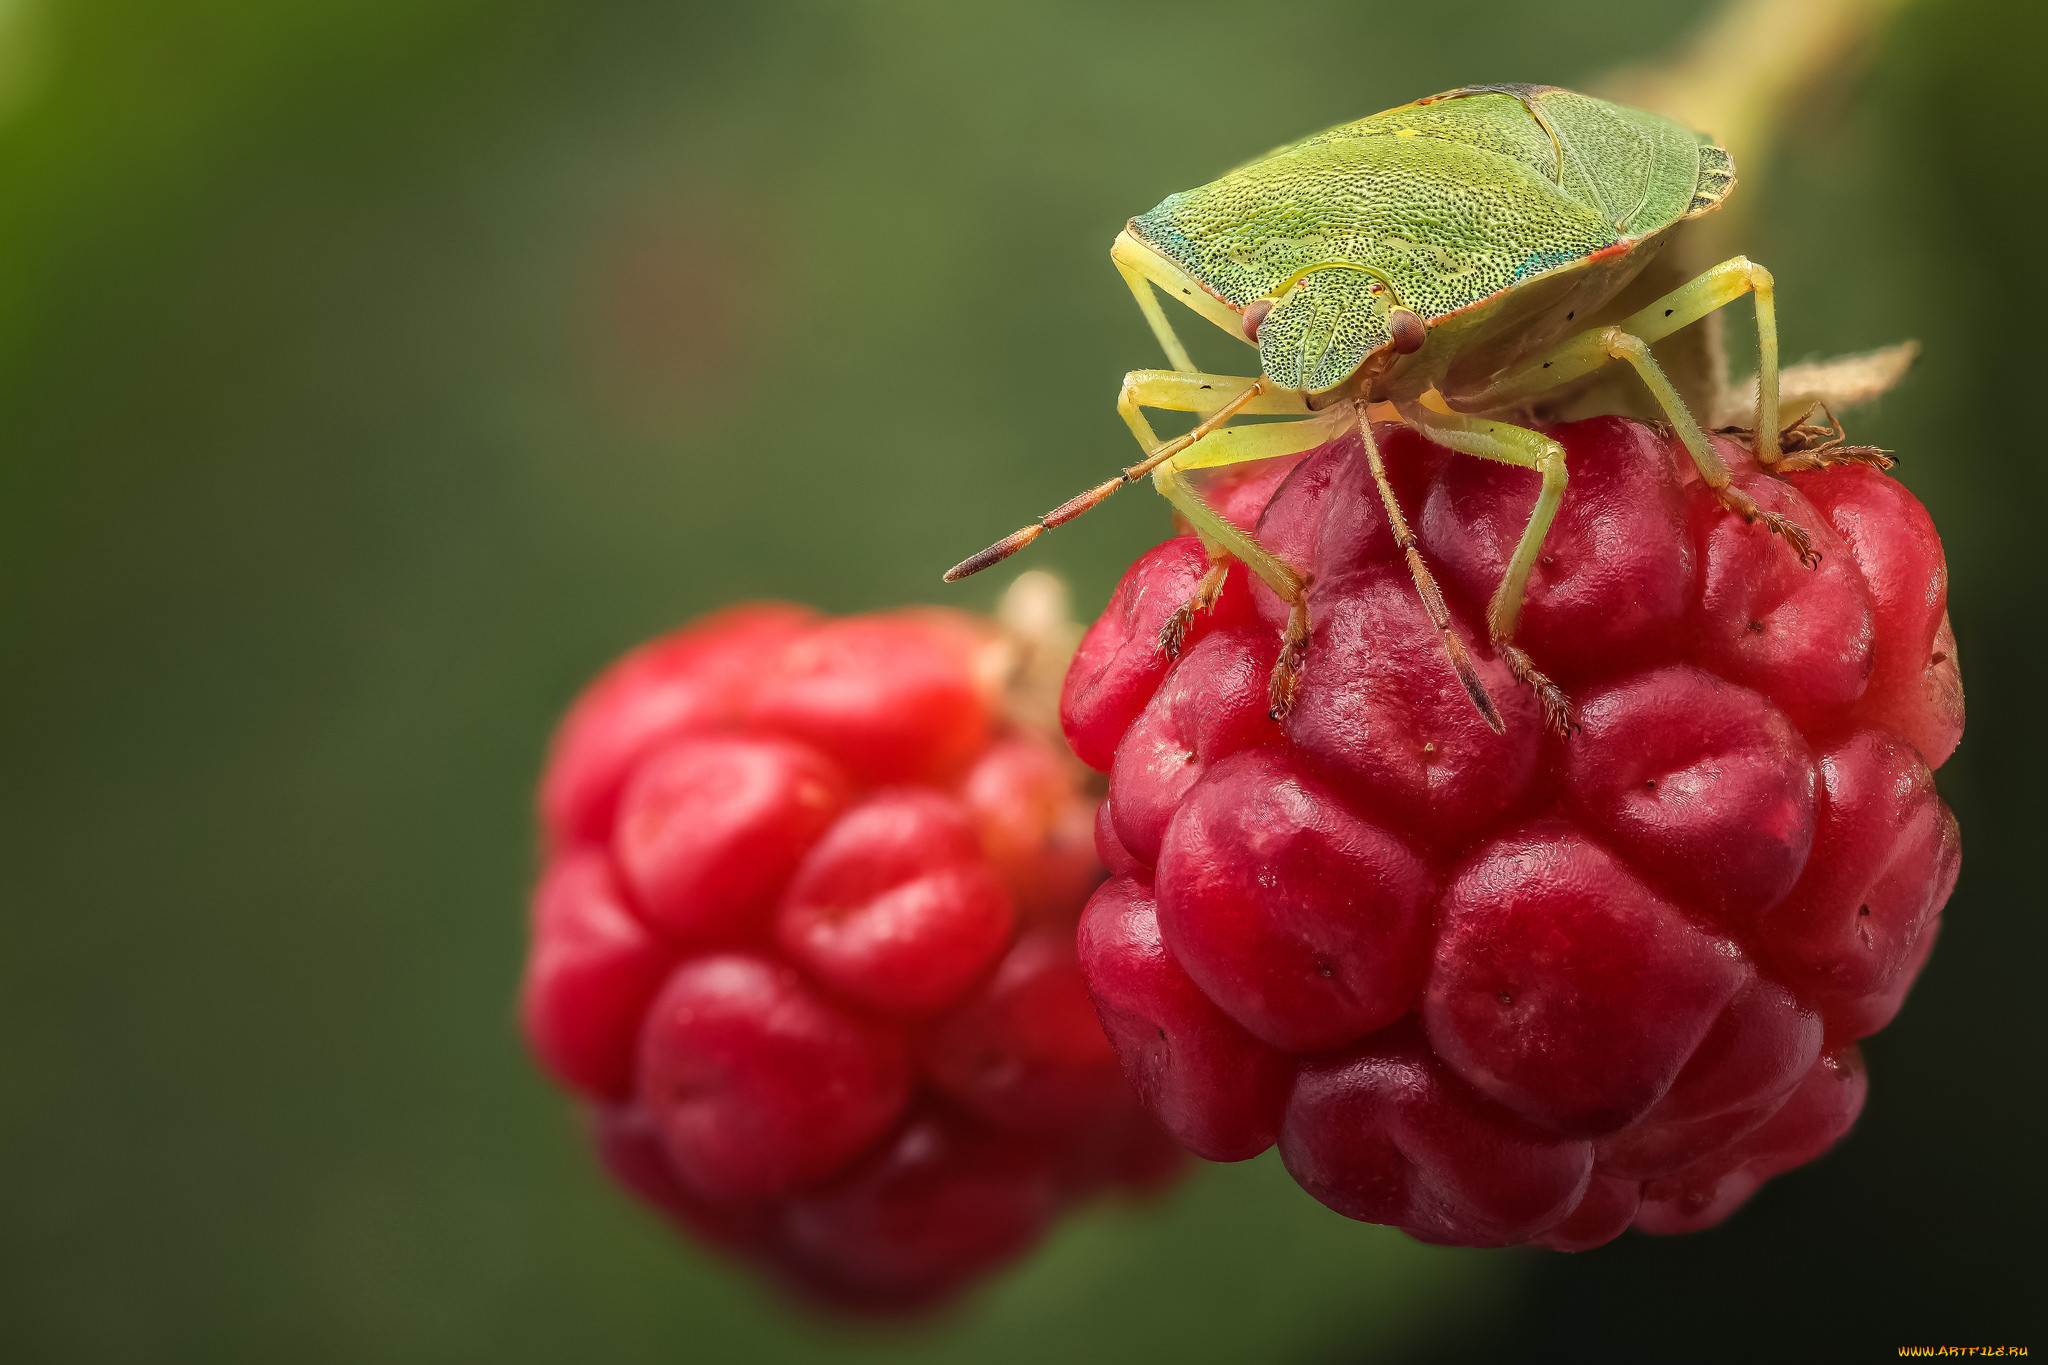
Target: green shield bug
[{"x": 1440, "y": 263}]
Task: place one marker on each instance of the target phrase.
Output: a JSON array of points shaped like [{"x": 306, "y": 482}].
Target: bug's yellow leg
[
  {"x": 1588, "y": 351},
  {"x": 1235, "y": 445},
  {"x": 1148, "y": 304},
  {"x": 1630, "y": 340},
  {"x": 1193, "y": 391},
  {"x": 1217, "y": 398},
  {"x": 1230, "y": 445},
  {"x": 1510, "y": 444},
  {"x": 1636, "y": 352},
  {"x": 1170, "y": 478},
  {"x": 1167, "y": 389},
  {"x": 1425, "y": 587},
  {"x": 1172, "y": 390}
]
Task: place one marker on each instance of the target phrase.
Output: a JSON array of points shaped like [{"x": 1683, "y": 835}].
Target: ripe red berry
[
  {"x": 1497, "y": 988},
  {"x": 756, "y": 1083},
  {"x": 804, "y": 944},
  {"x": 897, "y": 906}
]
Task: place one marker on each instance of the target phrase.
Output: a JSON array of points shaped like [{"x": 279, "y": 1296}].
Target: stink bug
[{"x": 1443, "y": 263}]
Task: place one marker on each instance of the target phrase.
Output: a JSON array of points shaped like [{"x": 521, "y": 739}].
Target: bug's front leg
[
  {"x": 1230, "y": 445},
  {"x": 1225, "y": 542},
  {"x": 1211, "y": 444},
  {"x": 1155, "y": 317},
  {"x": 1204, "y": 395},
  {"x": 1173, "y": 390},
  {"x": 1510, "y": 444}
]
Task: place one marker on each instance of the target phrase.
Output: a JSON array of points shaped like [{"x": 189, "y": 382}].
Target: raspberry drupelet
[
  {"x": 1524, "y": 987},
  {"x": 804, "y": 946}
]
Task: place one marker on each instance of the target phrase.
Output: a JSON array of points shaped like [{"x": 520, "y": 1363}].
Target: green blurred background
[{"x": 372, "y": 371}]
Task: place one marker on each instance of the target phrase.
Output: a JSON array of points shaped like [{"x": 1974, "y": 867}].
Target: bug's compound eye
[
  {"x": 1255, "y": 314},
  {"x": 1406, "y": 329}
]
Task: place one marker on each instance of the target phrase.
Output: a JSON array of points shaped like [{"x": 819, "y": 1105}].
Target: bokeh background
[{"x": 373, "y": 370}]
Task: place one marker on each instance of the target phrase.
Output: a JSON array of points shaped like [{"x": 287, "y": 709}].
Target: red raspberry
[
  {"x": 804, "y": 944},
  {"x": 1498, "y": 988}
]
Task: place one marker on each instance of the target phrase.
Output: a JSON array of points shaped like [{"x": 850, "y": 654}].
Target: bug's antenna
[
  {"x": 1426, "y": 588},
  {"x": 1018, "y": 539},
  {"x": 1082, "y": 502}
]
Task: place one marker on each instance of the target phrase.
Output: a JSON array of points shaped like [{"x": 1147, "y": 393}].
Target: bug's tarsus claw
[
  {"x": 1557, "y": 707},
  {"x": 1825, "y": 456},
  {"x": 1454, "y": 648},
  {"x": 1795, "y": 535},
  {"x": 1807, "y": 444},
  {"x": 1282, "y": 686},
  {"x": 1875, "y": 456},
  {"x": 1174, "y": 633},
  {"x": 1285, "y": 681}
]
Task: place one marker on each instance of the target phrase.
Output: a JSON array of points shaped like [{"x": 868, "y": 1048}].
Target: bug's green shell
[{"x": 1436, "y": 206}]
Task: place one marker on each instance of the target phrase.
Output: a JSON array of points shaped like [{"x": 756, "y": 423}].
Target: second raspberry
[{"x": 804, "y": 944}]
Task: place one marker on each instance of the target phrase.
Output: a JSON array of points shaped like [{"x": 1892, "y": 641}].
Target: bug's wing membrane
[
  {"x": 1716, "y": 179},
  {"x": 1489, "y": 120},
  {"x": 1639, "y": 171},
  {"x": 1322, "y": 331}
]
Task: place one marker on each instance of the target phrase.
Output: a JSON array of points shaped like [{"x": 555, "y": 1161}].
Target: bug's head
[{"x": 1315, "y": 320}]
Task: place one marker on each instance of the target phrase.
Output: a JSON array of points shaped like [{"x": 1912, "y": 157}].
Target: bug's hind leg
[
  {"x": 1713, "y": 470},
  {"x": 1630, "y": 340},
  {"x": 1510, "y": 444},
  {"x": 1682, "y": 307}
]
